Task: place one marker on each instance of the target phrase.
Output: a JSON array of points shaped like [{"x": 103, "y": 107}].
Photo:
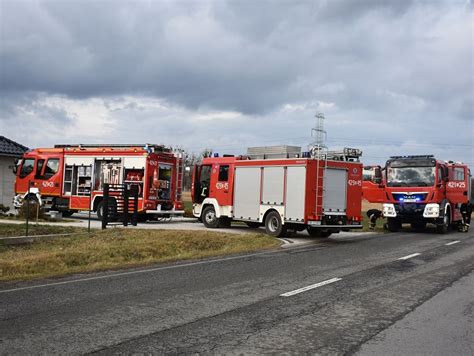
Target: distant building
[{"x": 9, "y": 151}]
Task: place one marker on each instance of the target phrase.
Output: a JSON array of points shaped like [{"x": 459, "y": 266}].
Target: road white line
[
  {"x": 304, "y": 289},
  {"x": 140, "y": 271},
  {"x": 452, "y": 243},
  {"x": 409, "y": 256}
]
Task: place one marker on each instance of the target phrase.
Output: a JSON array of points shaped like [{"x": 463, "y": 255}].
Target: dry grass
[
  {"x": 10, "y": 230},
  {"x": 119, "y": 248}
]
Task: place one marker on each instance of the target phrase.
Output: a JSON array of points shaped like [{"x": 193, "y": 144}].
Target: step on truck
[
  {"x": 419, "y": 190},
  {"x": 71, "y": 178},
  {"x": 322, "y": 196}
]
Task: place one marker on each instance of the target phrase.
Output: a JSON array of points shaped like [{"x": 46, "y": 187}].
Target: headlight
[
  {"x": 431, "y": 211},
  {"x": 389, "y": 211}
]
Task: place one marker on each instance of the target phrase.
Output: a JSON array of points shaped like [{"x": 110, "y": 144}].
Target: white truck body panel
[
  {"x": 247, "y": 193},
  {"x": 295, "y": 193},
  {"x": 273, "y": 185},
  {"x": 335, "y": 192}
]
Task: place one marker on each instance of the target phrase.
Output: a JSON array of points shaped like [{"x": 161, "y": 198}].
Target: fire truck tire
[
  {"x": 274, "y": 225},
  {"x": 112, "y": 210},
  {"x": 317, "y": 232},
  {"x": 393, "y": 224},
  {"x": 444, "y": 226},
  {"x": 209, "y": 218},
  {"x": 253, "y": 224}
]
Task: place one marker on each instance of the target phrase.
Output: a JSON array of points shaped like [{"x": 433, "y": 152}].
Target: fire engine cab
[
  {"x": 71, "y": 178},
  {"x": 298, "y": 193},
  {"x": 419, "y": 190}
]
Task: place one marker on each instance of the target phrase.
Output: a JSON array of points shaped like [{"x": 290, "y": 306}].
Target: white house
[{"x": 9, "y": 152}]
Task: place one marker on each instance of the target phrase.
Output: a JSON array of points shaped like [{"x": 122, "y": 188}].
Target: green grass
[
  {"x": 120, "y": 248},
  {"x": 10, "y": 230}
]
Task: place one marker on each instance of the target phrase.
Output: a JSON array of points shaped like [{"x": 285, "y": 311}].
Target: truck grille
[{"x": 409, "y": 198}]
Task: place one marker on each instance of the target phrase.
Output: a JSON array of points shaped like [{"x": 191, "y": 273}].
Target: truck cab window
[
  {"x": 223, "y": 173},
  {"x": 52, "y": 167},
  {"x": 459, "y": 173},
  {"x": 27, "y": 167}
]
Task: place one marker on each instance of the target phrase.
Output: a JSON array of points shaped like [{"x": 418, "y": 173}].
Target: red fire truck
[
  {"x": 418, "y": 190},
  {"x": 320, "y": 195},
  {"x": 68, "y": 178}
]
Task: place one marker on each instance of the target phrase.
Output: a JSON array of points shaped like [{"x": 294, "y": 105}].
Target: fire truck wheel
[
  {"x": 209, "y": 217},
  {"x": 100, "y": 211},
  {"x": 112, "y": 210},
  {"x": 274, "y": 225},
  {"x": 317, "y": 232},
  {"x": 393, "y": 224},
  {"x": 444, "y": 226}
]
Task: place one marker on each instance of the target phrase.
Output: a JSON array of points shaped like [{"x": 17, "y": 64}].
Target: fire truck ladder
[
  {"x": 321, "y": 155},
  {"x": 179, "y": 176}
]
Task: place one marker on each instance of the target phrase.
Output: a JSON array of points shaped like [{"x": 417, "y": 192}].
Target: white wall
[{"x": 7, "y": 181}]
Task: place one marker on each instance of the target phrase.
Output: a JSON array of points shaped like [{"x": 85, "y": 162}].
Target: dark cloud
[{"x": 380, "y": 68}]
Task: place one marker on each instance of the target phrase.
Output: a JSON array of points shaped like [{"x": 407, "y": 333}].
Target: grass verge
[
  {"x": 8, "y": 230},
  {"x": 120, "y": 248}
]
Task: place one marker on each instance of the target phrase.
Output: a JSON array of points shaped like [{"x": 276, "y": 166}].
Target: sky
[{"x": 391, "y": 77}]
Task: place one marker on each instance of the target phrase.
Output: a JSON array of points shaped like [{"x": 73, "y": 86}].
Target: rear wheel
[
  {"x": 318, "y": 232},
  {"x": 444, "y": 226},
  {"x": 209, "y": 217},
  {"x": 394, "y": 224},
  {"x": 273, "y": 224},
  {"x": 112, "y": 210},
  {"x": 100, "y": 211}
]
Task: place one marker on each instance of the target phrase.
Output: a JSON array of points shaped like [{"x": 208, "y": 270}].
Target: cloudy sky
[{"x": 391, "y": 77}]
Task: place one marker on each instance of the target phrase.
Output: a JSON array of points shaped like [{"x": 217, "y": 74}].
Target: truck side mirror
[{"x": 15, "y": 166}]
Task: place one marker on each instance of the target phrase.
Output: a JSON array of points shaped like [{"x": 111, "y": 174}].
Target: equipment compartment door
[
  {"x": 247, "y": 193},
  {"x": 335, "y": 192},
  {"x": 295, "y": 193},
  {"x": 457, "y": 187},
  {"x": 273, "y": 183}
]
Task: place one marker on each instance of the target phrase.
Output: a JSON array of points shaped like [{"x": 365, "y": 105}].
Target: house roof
[{"x": 11, "y": 148}]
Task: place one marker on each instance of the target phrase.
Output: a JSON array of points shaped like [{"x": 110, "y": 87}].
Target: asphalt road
[{"x": 369, "y": 302}]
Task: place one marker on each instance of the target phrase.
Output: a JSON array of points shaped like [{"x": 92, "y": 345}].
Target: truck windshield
[{"x": 410, "y": 176}]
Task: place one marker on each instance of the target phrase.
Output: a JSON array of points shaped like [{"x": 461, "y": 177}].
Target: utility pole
[{"x": 318, "y": 146}]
